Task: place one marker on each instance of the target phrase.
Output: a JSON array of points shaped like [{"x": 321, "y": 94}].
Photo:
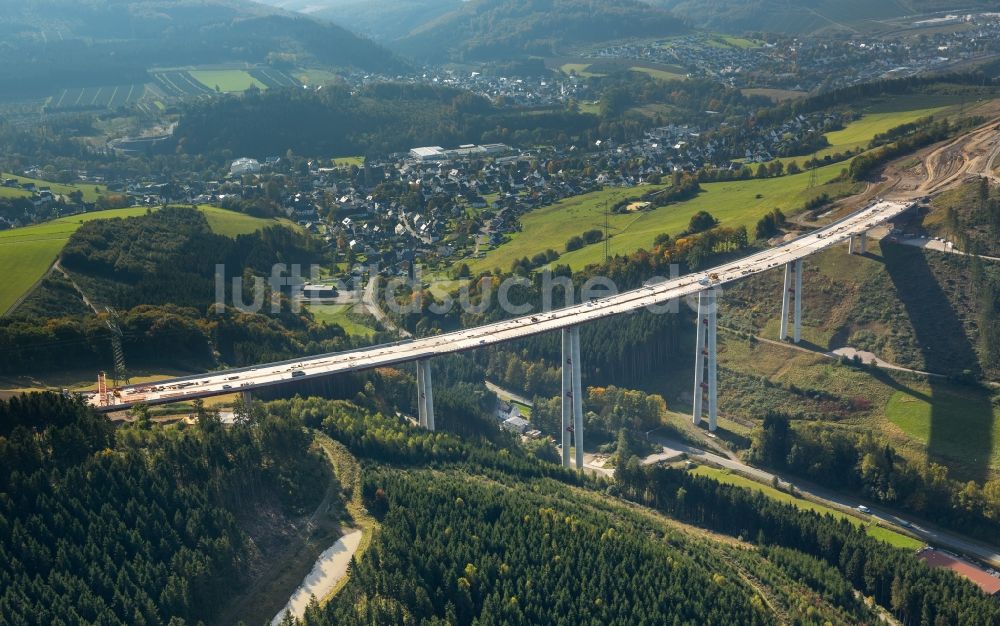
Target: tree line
[
  {"x": 915, "y": 593},
  {"x": 863, "y": 464}
]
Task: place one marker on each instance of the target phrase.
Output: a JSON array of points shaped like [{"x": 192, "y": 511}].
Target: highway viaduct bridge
[{"x": 789, "y": 255}]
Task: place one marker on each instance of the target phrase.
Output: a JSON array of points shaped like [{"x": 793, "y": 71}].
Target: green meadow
[
  {"x": 887, "y": 535},
  {"x": 90, "y": 192},
  {"x": 226, "y": 81},
  {"x": 27, "y": 253},
  {"x": 733, "y": 203}
]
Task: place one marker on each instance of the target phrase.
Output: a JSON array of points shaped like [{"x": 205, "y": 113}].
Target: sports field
[
  {"x": 27, "y": 253},
  {"x": 347, "y": 161},
  {"x": 226, "y": 81}
]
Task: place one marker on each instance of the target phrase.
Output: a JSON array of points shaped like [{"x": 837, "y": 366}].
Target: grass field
[
  {"x": 231, "y": 223},
  {"x": 226, "y": 81},
  {"x": 777, "y": 95},
  {"x": 945, "y": 418},
  {"x": 884, "y": 534},
  {"x": 90, "y": 192},
  {"x": 338, "y": 314},
  {"x": 346, "y": 161},
  {"x": 733, "y": 203},
  {"x": 879, "y": 118},
  {"x": 866, "y": 303},
  {"x": 27, "y": 253},
  {"x": 580, "y": 69},
  {"x": 658, "y": 74},
  {"x": 315, "y": 77}
]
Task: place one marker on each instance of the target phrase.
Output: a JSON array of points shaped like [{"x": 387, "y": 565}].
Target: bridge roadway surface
[{"x": 267, "y": 375}]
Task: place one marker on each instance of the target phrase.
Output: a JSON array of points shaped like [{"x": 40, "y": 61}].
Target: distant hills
[
  {"x": 474, "y": 30},
  {"x": 382, "y": 20},
  {"x": 805, "y": 16},
  {"x": 47, "y": 43}
]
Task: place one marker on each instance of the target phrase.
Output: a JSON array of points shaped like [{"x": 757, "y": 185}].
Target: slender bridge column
[
  {"x": 247, "y": 398},
  {"x": 567, "y": 393},
  {"x": 577, "y": 398},
  {"x": 425, "y": 394},
  {"x": 706, "y": 350},
  {"x": 792, "y": 295},
  {"x": 797, "y": 333}
]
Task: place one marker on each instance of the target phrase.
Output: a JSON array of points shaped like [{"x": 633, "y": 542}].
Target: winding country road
[{"x": 922, "y": 530}]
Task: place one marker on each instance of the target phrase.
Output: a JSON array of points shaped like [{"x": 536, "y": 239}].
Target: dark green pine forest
[{"x": 145, "y": 524}]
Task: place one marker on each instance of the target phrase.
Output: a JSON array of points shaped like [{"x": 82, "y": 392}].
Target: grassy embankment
[
  {"x": 887, "y": 535},
  {"x": 27, "y": 253}
]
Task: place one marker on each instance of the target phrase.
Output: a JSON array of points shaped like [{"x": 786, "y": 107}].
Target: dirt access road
[{"x": 946, "y": 165}]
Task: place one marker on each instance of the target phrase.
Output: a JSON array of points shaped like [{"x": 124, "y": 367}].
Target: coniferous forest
[
  {"x": 144, "y": 524},
  {"x": 137, "y": 525}
]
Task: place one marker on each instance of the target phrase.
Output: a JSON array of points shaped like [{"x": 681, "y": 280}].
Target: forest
[
  {"x": 177, "y": 258},
  {"x": 139, "y": 525},
  {"x": 165, "y": 290},
  {"x": 481, "y": 532},
  {"x": 488, "y": 30},
  {"x": 383, "y": 118},
  {"x": 145, "y": 525},
  {"x": 111, "y": 42},
  {"x": 860, "y": 463},
  {"x": 913, "y": 592}
]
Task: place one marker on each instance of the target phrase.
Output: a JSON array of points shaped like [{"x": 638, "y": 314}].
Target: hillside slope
[
  {"x": 805, "y": 16},
  {"x": 382, "y": 20},
  {"x": 475, "y": 30},
  {"x": 68, "y": 43},
  {"x": 492, "y": 29}
]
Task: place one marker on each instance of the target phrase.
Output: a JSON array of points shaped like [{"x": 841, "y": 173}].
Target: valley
[{"x": 500, "y": 312}]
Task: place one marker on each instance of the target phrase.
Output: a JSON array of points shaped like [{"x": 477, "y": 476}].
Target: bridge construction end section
[
  {"x": 706, "y": 381},
  {"x": 791, "y": 298}
]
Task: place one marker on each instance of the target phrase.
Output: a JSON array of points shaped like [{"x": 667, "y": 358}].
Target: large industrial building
[{"x": 437, "y": 153}]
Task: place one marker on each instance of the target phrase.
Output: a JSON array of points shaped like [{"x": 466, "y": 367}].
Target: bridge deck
[{"x": 250, "y": 378}]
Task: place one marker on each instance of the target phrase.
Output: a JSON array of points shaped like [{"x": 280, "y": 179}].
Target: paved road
[
  {"x": 371, "y": 303},
  {"x": 506, "y": 393},
  {"x": 937, "y": 537},
  {"x": 651, "y": 295}
]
